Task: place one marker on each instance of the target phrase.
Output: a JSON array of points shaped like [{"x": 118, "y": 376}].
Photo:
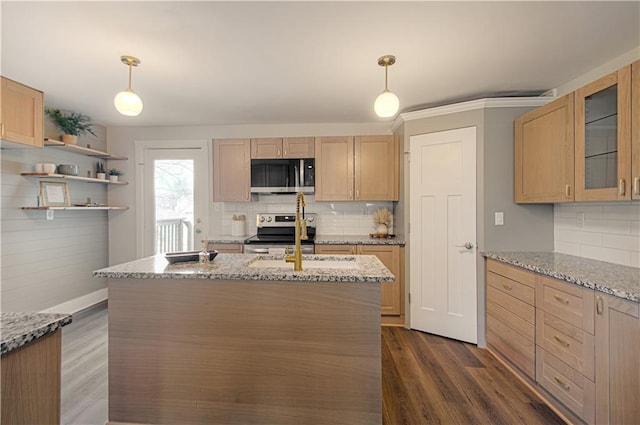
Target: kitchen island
[{"x": 245, "y": 340}]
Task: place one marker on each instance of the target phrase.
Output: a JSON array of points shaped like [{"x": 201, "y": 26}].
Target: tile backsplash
[
  {"x": 334, "y": 218},
  {"x": 608, "y": 232}
]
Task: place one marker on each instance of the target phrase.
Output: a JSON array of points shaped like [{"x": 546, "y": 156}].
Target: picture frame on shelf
[{"x": 54, "y": 194}]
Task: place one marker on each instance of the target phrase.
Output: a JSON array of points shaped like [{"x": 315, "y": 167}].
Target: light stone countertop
[
  {"x": 235, "y": 267},
  {"x": 620, "y": 281},
  {"x": 19, "y": 329},
  {"x": 227, "y": 239},
  {"x": 356, "y": 240}
]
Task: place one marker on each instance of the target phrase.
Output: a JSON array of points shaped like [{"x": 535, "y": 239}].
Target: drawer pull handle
[
  {"x": 561, "y": 341},
  {"x": 507, "y": 287},
  {"x": 636, "y": 185},
  {"x": 562, "y": 383},
  {"x": 561, "y": 300}
]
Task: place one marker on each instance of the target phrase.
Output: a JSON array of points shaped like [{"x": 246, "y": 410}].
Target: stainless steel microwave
[{"x": 282, "y": 175}]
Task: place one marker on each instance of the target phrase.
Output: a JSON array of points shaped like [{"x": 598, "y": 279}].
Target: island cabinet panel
[
  {"x": 31, "y": 383},
  {"x": 390, "y": 291},
  {"x": 231, "y": 170},
  {"x": 617, "y": 361},
  {"x": 511, "y": 315},
  {"x": 22, "y": 114},
  {"x": 544, "y": 153},
  {"x": 199, "y": 351},
  {"x": 635, "y": 129}
]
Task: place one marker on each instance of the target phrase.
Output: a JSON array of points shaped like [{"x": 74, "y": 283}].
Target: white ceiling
[{"x": 216, "y": 63}]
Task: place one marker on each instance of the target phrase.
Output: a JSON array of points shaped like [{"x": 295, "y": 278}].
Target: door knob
[
  {"x": 467, "y": 245},
  {"x": 198, "y": 230}
]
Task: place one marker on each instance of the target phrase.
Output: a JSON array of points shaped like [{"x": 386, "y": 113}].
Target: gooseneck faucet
[{"x": 301, "y": 234}]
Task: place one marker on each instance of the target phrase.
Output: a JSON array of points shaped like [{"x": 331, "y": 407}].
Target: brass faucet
[{"x": 301, "y": 234}]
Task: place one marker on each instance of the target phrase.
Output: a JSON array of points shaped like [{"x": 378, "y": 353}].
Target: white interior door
[
  {"x": 175, "y": 198},
  {"x": 443, "y": 233}
]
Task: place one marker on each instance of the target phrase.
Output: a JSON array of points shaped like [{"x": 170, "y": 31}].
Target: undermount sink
[{"x": 314, "y": 263}]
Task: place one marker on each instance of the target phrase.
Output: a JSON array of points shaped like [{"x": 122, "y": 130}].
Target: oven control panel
[{"x": 283, "y": 220}]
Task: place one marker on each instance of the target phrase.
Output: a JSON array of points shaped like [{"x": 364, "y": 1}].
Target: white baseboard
[{"x": 80, "y": 303}]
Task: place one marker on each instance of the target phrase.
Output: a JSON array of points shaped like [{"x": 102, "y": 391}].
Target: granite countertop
[
  {"x": 227, "y": 239},
  {"x": 236, "y": 267},
  {"x": 356, "y": 240},
  {"x": 620, "y": 281},
  {"x": 19, "y": 329}
]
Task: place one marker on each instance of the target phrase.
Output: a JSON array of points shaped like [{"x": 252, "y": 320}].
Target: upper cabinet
[
  {"x": 362, "y": 168},
  {"x": 544, "y": 149},
  {"x": 593, "y": 133},
  {"x": 603, "y": 138},
  {"x": 22, "y": 114},
  {"x": 231, "y": 170},
  {"x": 635, "y": 130},
  {"x": 289, "y": 147}
]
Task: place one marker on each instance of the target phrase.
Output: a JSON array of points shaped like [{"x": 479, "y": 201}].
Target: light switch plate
[
  {"x": 580, "y": 219},
  {"x": 499, "y": 219},
  {"x": 49, "y": 214}
]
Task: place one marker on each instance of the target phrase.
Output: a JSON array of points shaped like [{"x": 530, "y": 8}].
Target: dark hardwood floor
[{"x": 426, "y": 379}]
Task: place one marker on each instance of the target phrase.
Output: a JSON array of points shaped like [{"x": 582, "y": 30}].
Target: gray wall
[
  {"x": 46, "y": 263},
  {"x": 526, "y": 227}
]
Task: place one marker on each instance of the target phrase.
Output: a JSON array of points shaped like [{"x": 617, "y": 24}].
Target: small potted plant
[
  {"x": 113, "y": 174},
  {"x": 100, "y": 174},
  {"x": 72, "y": 124},
  {"x": 382, "y": 219}
]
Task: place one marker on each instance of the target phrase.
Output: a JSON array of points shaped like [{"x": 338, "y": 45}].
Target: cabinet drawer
[
  {"x": 514, "y": 347},
  {"x": 520, "y": 325},
  {"x": 572, "y": 303},
  {"x": 566, "y": 384},
  {"x": 511, "y": 304},
  {"x": 572, "y": 345},
  {"x": 518, "y": 274},
  {"x": 515, "y": 289}
]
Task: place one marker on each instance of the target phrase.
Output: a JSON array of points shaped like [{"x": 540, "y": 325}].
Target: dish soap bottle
[{"x": 204, "y": 254}]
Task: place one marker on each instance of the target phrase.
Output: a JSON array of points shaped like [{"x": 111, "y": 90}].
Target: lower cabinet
[
  {"x": 391, "y": 292},
  {"x": 578, "y": 348},
  {"x": 617, "y": 324}
]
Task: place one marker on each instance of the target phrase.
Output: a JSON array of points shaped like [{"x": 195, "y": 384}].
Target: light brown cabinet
[
  {"x": 288, "y": 147},
  {"x": 391, "y": 292},
  {"x": 231, "y": 170},
  {"x": 511, "y": 315},
  {"x": 361, "y": 168},
  {"x": 617, "y": 324},
  {"x": 635, "y": 130},
  {"x": 544, "y": 153},
  {"x": 603, "y": 138},
  {"x": 22, "y": 114}
]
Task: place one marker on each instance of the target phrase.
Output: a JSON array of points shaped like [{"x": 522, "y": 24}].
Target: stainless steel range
[{"x": 276, "y": 232}]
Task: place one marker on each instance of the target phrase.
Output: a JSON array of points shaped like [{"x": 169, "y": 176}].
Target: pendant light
[
  {"x": 387, "y": 103},
  {"x": 127, "y": 102}
]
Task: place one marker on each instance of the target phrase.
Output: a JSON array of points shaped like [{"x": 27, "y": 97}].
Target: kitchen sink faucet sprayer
[{"x": 301, "y": 234}]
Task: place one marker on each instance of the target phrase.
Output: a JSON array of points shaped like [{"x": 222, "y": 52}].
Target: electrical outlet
[
  {"x": 49, "y": 214},
  {"x": 580, "y": 219},
  {"x": 499, "y": 219}
]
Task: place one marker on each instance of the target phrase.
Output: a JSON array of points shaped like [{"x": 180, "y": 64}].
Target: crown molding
[{"x": 498, "y": 102}]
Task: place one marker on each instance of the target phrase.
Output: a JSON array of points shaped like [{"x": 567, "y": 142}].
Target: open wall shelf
[
  {"x": 67, "y": 177},
  {"x": 104, "y": 207},
  {"x": 82, "y": 150}
]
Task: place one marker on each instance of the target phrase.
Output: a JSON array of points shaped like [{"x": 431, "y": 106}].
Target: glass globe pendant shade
[
  {"x": 386, "y": 104},
  {"x": 128, "y": 103}
]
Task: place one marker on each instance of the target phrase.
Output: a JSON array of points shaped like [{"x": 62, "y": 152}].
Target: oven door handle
[{"x": 258, "y": 250}]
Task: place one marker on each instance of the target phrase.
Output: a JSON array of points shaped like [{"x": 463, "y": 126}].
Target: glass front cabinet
[{"x": 603, "y": 138}]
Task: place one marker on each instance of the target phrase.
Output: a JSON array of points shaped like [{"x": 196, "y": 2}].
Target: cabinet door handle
[
  {"x": 561, "y": 341},
  {"x": 507, "y": 287},
  {"x": 279, "y": 154},
  {"x": 350, "y": 193},
  {"x": 567, "y": 190},
  {"x": 636, "y": 185},
  {"x": 599, "y": 306},
  {"x": 357, "y": 193},
  {"x": 561, "y": 300},
  {"x": 562, "y": 383},
  {"x": 285, "y": 152},
  {"x": 621, "y": 187},
  {"x": 2, "y": 129}
]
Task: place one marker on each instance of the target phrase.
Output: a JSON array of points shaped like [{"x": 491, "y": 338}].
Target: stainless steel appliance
[
  {"x": 282, "y": 175},
  {"x": 276, "y": 232}
]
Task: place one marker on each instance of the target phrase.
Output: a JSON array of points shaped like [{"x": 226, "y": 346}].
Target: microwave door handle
[{"x": 301, "y": 174}]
